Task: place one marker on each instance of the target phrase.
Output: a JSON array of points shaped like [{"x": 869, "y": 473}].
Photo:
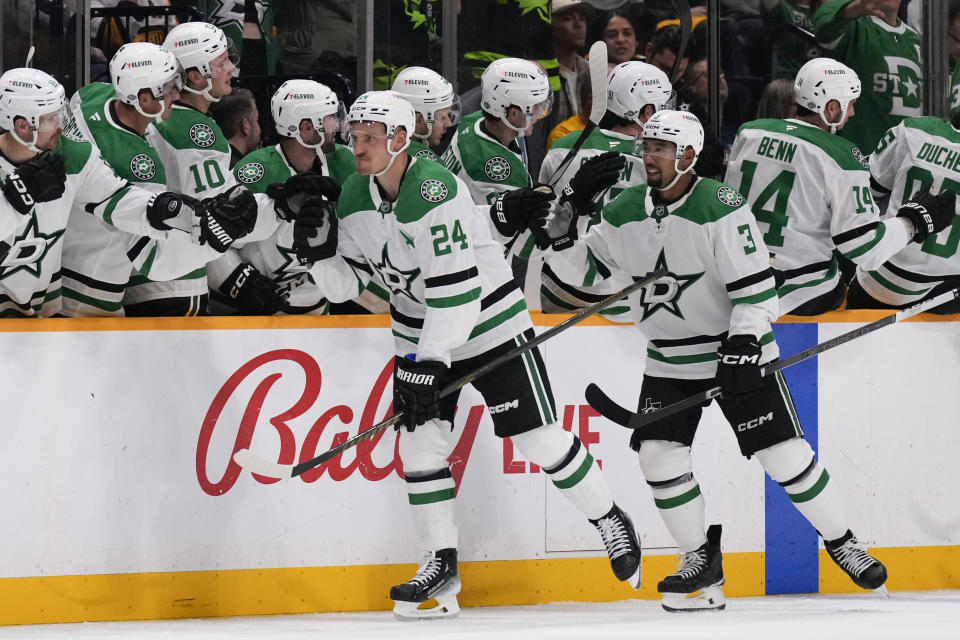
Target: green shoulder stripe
[
  {"x": 187, "y": 128},
  {"x": 93, "y": 96},
  {"x": 844, "y": 153},
  {"x": 261, "y": 168},
  {"x": 355, "y": 196},
  {"x": 709, "y": 201},
  {"x": 487, "y": 161},
  {"x": 934, "y": 126},
  {"x": 74, "y": 150},
  {"x": 341, "y": 164},
  {"x": 426, "y": 185},
  {"x": 629, "y": 206},
  {"x": 599, "y": 139}
]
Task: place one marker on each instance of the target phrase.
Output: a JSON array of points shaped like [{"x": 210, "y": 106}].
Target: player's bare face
[
  {"x": 369, "y": 142},
  {"x": 441, "y": 122},
  {"x": 221, "y": 71},
  {"x": 49, "y": 128},
  {"x": 659, "y": 159},
  {"x": 309, "y": 134}
]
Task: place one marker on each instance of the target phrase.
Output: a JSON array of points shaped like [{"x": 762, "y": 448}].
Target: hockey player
[
  {"x": 454, "y": 307},
  {"x": 436, "y": 104},
  {"x": 869, "y": 36},
  {"x": 708, "y": 323},
  {"x": 271, "y": 275},
  {"x": 46, "y": 168},
  {"x": 110, "y": 269},
  {"x": 810, "y": 192},
  {"x": 918, "y": 153},
  {"x": 636, "y": 90}
]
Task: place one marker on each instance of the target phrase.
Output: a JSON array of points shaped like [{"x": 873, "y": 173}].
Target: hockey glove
[
  {"x": 929, "y": 214},
  {"x": 225, "y": 218},
  {"x": 315, "y": 231},
  {"x": 289, "y": 197},
  {"x": 738, "y": 365},
  {"x": 520, "y": 209},
  {"x": 42, "y": 178},
  {"x": 252, "y": 293},
  {"x": 594, "y": 176},
  {"x": 416, "y": 390},
  {"x": 170, "y": 209}
]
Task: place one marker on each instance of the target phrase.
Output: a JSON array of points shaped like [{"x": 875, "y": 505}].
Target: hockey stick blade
[
  {"x": 626, "y": 418},
  {"x": 251, "y": 462},
  {"x": 598, "y": 84}
]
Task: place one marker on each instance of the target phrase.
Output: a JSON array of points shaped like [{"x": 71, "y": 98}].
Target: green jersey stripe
[{"x": 454, "y": 301}]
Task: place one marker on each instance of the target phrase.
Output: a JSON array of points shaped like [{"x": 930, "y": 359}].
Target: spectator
[
  {"x": 785, "y": 21},
  {"x": 569, "y": 38},
  {"x": 662, "y": 50},
  {"x": 575, "y": 122},
  {"x": 309, "y": 29},
  {"x": 953, "y": 32},
  {"x": 868, "y": 36},
  {"x": 239, "y": 119},
  {"x": 777, "y": 100},
  {"x": 692, "y": 97},
  {"x": 621, "y": 39}
]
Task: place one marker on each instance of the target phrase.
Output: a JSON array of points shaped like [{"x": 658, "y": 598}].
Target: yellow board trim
[{"x": 192, "y": 594}]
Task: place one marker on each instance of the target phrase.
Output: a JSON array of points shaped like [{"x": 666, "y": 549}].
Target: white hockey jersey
[
  {"x": 810, "y": 193},
  {"x": 917, "y": 153},
  {"x": 452, "y": 295},
  {"x": 718, "y": 283}
]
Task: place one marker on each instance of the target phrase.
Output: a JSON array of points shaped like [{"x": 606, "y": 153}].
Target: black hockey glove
[
  {"x": 738, "y": 365},
  {"x": 289, "y": 197},
  {"x": 929, "y": 213},
  {"x": 42, "y": 178},
  {"x": 416, "y": 390},
  {"x": 252, "y": 293},
  {"x": 170, "y": 206},
  {"x": 594, "y": 176},
  {"x": 520, "y": 209},
  {"x": 315, "y": 231},
  {"x": 225, "y": 218}
]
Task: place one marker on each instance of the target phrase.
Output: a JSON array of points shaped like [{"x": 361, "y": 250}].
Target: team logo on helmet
[
  {"x": 729, "y": 197},
  {"x": 250, "y": 172},
  {"x": 862, "y": 159},
  {"x": 497, "y": 169},
  {"x": 143, "y": 167},
  {"x": 433, "y": 191},
  {"x": 202, "y": 135}
]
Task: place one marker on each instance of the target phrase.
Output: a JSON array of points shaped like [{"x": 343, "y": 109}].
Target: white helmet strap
[{"x": 205, "y": 92}]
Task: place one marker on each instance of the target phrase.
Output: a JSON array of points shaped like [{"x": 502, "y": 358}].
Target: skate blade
[
  {"x": 447, "y": 605},
  {"x": 634, "y": 580},
  {"x": 706, "y": 599},
  {"x": 882, "y": 591}
]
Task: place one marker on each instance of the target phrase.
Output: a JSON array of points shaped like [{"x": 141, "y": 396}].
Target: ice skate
[
  {"x": 620, "y": 540},
  {"x": 851, "y": 555},
  {"x": 437, "y": 579},
  {"x": 696, "y": 585}
]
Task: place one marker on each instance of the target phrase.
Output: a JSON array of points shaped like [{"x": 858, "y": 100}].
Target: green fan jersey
[
  {"x": 888, "y": 61},
  {"x": 790, "y": 49}
]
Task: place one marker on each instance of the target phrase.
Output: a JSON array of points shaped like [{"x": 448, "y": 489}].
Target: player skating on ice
[
  {"x": 454, "y": 307},
  {"x": 708, "y": 323}
]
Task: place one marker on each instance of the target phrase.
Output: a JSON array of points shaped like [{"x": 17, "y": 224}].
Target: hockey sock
[
  {"x": 570, "y": 466},
  {"x": 810, "y": 489},
  {"x": 676, "y": 493},
  {"x": 430, "y": 486}
]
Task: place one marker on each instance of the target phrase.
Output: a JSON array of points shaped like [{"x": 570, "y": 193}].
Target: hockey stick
[
  {"x": 626, "y": 418},
  {"x": 682, "y": 7},
  {"x": 598, "y": 106},
  {"x": 246, "y": 459}
]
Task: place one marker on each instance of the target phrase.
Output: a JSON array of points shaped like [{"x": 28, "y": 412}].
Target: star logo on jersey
[
  {"x": 143, "y": 167},
  {"x": 28, "y": 250},
  {"x": 250, "y": 172},
  {"x": 729, "y": 196},
  {"x": 202, "y": 135},
  {"x": 396, "y": 279},
  {"x": 665, "y": 292},
  {"x": 433, "y": 191},
  {"x": 497, "y": 168}
]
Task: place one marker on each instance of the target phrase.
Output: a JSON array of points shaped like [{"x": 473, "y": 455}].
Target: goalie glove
[
  {"x": 738, "y": 365},
  {"x": 288, "y": 197},
  {"x": 594, "y": 176},
  {"x": 928, "y": 213},
  {"x": 252, "y": 293},
  {"x": 42, "y": 178},
  {"x": 315, "y": 231},
  {"x": 521, "y": 209},
  {"x": 416, "y": 390}
]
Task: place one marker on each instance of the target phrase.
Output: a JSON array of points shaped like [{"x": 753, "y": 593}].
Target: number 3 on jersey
[
  {"x": 443, "y": 242},
  {"x": 779, "y": 191}
]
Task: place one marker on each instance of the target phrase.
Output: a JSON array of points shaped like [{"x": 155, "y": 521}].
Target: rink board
[{"x": 122, "y": 501}]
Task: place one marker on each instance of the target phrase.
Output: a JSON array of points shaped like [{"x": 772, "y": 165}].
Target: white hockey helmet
[
  {"x": 514, "y": 82},
  {"x": 683, "y": 129},
  {"x": 632, "y": 85},
  {"x": 824, "y": 79},
  {"x": 300, "y": 99},
  {"x": 428, "y": 92},
  {"x": 390, "y": 109},
  {"x": 139, "y": 66},
  {"x": 35, "y": 96},
  {"x": 196, "y": 45}
]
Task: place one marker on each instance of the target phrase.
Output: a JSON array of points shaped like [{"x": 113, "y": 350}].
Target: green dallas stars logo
[{"x": 665, "y": 292}]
